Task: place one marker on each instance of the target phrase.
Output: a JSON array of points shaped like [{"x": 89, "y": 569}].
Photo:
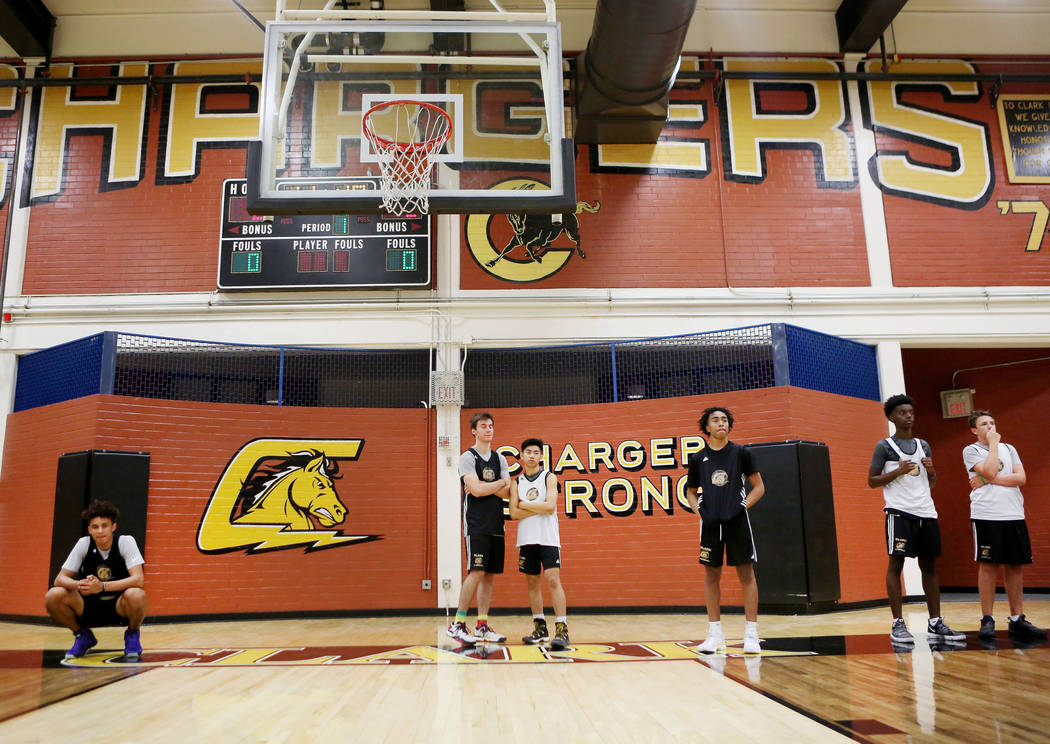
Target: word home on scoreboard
[{"x": 315, "y": 251}]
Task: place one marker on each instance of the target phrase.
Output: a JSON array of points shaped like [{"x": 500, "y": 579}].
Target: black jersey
[
  {"x": 105, "y": 568},
  {"x": 484, "y": 515},
  {"x": 720, "y": 478}
]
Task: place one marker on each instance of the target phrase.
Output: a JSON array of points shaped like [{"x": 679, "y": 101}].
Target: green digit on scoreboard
[
  {"x": 246, "y": 262},
  {"x": 401, "y": 259}
]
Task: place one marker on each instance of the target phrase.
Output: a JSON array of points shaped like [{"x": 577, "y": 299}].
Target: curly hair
[
  {"x": 707, "y": 415},
  {"x": 896, "y": 400},
  {"x": 99, "y": 508}
]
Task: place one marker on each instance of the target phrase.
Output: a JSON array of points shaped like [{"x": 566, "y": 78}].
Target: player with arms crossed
[
  {"x": 902, "y": 466},
  {"x": 534, "y": 500},
  {"x": 486, "y": 483},
  {"x": 1000, "y": 534},
  {"x": 716, "y": 491},
  {"x": 110, "y": 592}
]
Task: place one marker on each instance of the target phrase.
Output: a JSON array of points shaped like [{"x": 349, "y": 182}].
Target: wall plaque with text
[{"x": 1024, "y": 121}]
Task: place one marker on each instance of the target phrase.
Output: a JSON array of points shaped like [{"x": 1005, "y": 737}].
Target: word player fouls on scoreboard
[{"x": 314, "y": 251}]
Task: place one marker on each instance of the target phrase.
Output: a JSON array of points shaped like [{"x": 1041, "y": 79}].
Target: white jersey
[
  {"x": 999, "y": 503},
  {"x": 910, "y": 493},
  {"x": 126, "y": 546},
  {"x": 538, "y": 529}
]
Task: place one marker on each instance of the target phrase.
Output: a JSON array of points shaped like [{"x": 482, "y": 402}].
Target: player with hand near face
[{"x": 1000, "y": 532}]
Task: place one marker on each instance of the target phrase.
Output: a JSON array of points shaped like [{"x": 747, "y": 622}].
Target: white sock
[
  {"x": 539, "y": 617},
  {"x": 714, "y": 628},
  {"x": 934, "y": 620},
  {"x": 1013, "y": 618},
  {"x": 560, "y": 619},
  {"x": 751, "y": 628}
]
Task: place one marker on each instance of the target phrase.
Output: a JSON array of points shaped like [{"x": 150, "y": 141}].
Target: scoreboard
[{"x": 310, "y": 251}]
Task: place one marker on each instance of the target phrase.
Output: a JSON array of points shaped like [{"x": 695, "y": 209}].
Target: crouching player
[
  {"x": 109, "y": 590},
  {"x": 534, "y": 501}
]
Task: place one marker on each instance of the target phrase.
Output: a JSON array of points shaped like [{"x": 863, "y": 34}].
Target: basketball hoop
[{"x": 404, "y": 134}]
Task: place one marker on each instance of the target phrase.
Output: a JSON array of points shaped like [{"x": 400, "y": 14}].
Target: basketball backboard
[{"x": 500, "y": 81}]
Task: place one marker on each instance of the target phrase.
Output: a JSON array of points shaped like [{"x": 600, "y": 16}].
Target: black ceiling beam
[
  {"x": 28, "y": 27},
  {"x": 861, "y": 22}
]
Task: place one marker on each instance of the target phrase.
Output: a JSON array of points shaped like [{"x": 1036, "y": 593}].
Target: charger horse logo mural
[
  {"x": 497, "y": 244},
  {"x": 279, "y": 493},
  {"x": 300, "y": 491},
  {"x": 536, "y": 232}
]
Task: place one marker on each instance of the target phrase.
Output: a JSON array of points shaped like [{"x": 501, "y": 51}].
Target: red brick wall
[
  {"x": 35, "y": 440},
  {"x": 652, "y": 560},
  {"x": 654, "y": 229},
  {"x": 386, "y": 492},
  {"x": 1017, "y": 396},
  {"x": 932, "y": 245},
  {"x": 631, "y": 560}
]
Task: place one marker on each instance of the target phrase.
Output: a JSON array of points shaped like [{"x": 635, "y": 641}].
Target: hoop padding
[{"x": 404, "y": 134}]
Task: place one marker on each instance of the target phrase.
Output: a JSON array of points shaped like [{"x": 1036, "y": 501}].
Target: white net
[{"x": 404, "y": 134}]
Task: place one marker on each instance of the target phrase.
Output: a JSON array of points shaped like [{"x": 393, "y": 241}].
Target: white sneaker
[
  {"x": 460, "y": 633},
  {"x": 752, "y": 645},
  {"x": 713, "y": 644},
  {"x": 488, "y": 635}
]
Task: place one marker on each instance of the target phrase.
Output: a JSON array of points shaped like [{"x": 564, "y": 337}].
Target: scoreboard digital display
[{"x": 310, "y": 251}]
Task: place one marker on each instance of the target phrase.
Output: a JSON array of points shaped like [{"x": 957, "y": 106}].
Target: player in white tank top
[{"x": 534, "y": 502}]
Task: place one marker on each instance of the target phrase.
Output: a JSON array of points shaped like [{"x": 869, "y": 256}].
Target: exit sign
[{"x": 956, "y": 403}]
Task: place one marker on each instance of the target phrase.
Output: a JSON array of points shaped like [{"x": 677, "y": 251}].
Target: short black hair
[
  {"x": 896, "y": 400},
  {"x": 531, "y": 442},
  {"x": 707, "y": 415},
  {"x": 976, "y": 414},
  {"x": 479, "y": 417},
  {"x": 99, "y": 508}
]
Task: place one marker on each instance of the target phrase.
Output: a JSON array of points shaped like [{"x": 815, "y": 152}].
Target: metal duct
[{"x": 624, "y": 79}]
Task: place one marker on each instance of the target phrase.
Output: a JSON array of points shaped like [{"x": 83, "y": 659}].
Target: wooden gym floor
[{"x": 626, "y": 678}]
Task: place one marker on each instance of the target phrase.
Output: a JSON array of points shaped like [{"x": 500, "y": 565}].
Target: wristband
[
  {"x": 103, "y": 586},
  {"x": 983, "y": 481}
]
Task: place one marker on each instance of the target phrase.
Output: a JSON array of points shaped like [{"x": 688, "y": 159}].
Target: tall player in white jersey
[
  {"x": 1000, "y": 533},
  {"x": 534, "y": 501},
  {"x": 902, "y": 466}
]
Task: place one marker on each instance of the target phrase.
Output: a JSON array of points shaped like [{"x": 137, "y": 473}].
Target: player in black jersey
[
  {"x": 109, "y": 591},
  {"x": 716, "y": 488},
  {"x": 486, "y": 483}
]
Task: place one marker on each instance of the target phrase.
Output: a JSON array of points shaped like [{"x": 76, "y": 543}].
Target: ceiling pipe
[{"x": 624, "y": 79}]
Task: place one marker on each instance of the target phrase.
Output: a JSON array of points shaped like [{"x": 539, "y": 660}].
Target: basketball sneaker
[
  {"x": 751, "y": 644},
  {"x": 1024, "y": 629},
  {"x": 987, "y": 631},
  {"x": 486, "y": 634},
  {"x": 83, "y": 641},
  {"x": 941, "y": 631},
  {"x": 561, "y": 637},
  {"x": 540, "y": 634},
  {"x": 899, "y": 632},
  {"x": 712, "y": 644},
  {"x": 132, "y": 645},
  {"x": 459, "y": 632}
]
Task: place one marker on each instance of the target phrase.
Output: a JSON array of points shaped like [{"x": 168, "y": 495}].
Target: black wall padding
[
  {"x": 119, "y": 477},
  {"x": 794, "y": 526}
]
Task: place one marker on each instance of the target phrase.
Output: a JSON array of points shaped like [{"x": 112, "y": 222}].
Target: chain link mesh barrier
[{"x": 696, "y": 364}]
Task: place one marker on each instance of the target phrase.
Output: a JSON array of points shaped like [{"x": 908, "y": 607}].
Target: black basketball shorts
[
  {"x": 533, "y": 558},
  {"x": 485, "y": 553},
  {"x": 1006, "y": 541},
  {"x": 734, "y": 539},
  {"x": 99, "y": 612},
  {"x": 912, "y": 537}
]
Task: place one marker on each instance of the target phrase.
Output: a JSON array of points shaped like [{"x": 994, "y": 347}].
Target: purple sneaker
[
  {"x": 132, "y": 645},
  {"x": 83, "y": 641}
]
